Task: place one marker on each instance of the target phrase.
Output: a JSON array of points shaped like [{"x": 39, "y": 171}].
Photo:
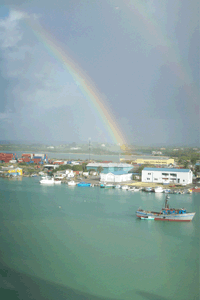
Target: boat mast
[{"x": 166, "y": 202}]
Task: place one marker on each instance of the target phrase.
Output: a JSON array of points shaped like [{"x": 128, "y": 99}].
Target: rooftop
[
  {"x": 118, "y": 173},
  {"x": 166, "y": 169},
  {"x": 109, "y": 165}
]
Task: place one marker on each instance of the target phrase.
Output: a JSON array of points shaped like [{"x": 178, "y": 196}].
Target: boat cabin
[{"x": 167, "y": 211}]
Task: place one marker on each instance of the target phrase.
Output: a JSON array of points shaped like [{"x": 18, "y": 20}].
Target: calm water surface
[{"x": 60, "y": 242}]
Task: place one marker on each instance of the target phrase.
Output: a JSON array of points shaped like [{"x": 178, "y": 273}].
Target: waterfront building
[
  {"x": 50, "y": 166},
  {"x": 109, "y": 167},
  {"x": 153, "y": 161},
  {"x": 118, "y": 176},
  {"x": 12, "y": 171},
  {"x": 167, "y": 175}
]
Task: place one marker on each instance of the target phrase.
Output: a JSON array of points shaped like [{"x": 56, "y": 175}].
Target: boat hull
[
  {"x": 104, "y": 186},
  {"x": 84, "y": 184},
  {"x": 167, "y": 214},
  {"x": 176, "y": 217},
  {"x": 72, "y": 183},
  {"x": 187, "y": 217},
  {"x": 196, "y": 190},
  {"x": 158, "y": 190},
  {"x": 47, "y": 181}
]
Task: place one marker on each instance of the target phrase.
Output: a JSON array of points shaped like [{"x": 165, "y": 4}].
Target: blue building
[{"x": 109, "y": 167}]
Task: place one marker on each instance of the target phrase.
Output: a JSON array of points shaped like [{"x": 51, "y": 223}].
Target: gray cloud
[{"x": 144, "y": 61}]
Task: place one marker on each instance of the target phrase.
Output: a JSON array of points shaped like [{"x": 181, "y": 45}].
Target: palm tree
[{"x": 99, "y": 169}]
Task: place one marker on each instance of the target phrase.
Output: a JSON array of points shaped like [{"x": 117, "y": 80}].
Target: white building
[
  {"x": 118, "y": 176},
  {"x": 165, "y": 175},
  {"x": 85, "y": 173},
  {"x": 69, "y": 173}
]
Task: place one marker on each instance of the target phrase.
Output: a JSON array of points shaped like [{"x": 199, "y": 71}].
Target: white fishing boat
[
  {"x": 57, "y": 181},
  {"x": 47, "y": 180},
  {"x": 72, "y": 183},
  {"x": 158, "y": 189},
  {"x": 125, "y": 187}
]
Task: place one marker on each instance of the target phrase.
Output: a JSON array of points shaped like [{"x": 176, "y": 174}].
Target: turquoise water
[{"x": 60, "y": 242}]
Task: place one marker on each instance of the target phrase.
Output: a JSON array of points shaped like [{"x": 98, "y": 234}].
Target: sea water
[{"x": 60, "y": 242}]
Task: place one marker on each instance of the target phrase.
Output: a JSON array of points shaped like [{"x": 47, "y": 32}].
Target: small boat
[
  {"x": 118, "y": 186},
  {"x": 196, "y": 189},
  {"x": 167, "y": 191},
  {"x": 148, "y": 189},
  {"x": 125, "y": 187},
  {"x": 158, "y": 189},
  {"x": 47, "y": 180},
  {"x": 83, "y": 184},
  {"x": 167, "y": 214},
  {"x": 71, "y": 183},
  {"x": 107, "y": 186},
  {"x": 57, "y": 181}
]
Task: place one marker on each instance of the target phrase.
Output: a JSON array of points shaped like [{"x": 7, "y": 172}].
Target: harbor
[{"x": 89, "y": 242}]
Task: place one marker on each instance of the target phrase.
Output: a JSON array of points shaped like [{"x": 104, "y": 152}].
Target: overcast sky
[{"x": 141, "y": 56}]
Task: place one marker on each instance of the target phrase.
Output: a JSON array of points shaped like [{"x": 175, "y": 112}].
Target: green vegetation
[
  {"x": 99, "y": 169},
  {"x": 196, "y": 170},
  {"x": 70, "y": 167}
]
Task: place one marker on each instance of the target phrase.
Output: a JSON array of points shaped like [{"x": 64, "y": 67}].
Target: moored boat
[
  {"x": 84, "y": 184},
  {"x": 107, "y": 186},
  {"x": 167, "y": 191},
  {"x": 196, "y": 189},
  {"x": 125, "y": 187},
  {"x": 71, "y": 183},
  {"x": 148, "y": 189},
  {"x": 57, "y": 181},
  {"x": 118, "y": 186},
  {"x": 158, "y": 189},
  {"x": 47, "y": 180},
  {"x": 167, "y": 214}
]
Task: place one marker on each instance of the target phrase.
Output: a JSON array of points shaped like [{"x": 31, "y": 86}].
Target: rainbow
[{"x": 84, "y": 83}]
